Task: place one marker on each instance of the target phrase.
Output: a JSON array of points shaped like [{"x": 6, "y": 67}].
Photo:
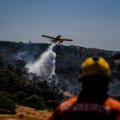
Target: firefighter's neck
[{"x": 93, "y": 95}]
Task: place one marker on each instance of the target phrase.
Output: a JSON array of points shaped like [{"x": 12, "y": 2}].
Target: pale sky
[{"x": 90, "y": 23}]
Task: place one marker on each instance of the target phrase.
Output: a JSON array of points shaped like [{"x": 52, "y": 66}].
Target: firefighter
[{"x": 93, "y": 102}]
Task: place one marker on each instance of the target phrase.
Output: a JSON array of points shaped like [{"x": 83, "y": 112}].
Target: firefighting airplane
[{"x": 57, "y": 39}]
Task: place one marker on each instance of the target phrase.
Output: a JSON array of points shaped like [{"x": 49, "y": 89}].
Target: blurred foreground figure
[{"x": 93, "y": 102}]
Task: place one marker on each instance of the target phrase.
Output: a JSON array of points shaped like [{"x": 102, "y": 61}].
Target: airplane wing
[
  {"x": 48, "y": 36},
  {"x": 66, "y": 39}
]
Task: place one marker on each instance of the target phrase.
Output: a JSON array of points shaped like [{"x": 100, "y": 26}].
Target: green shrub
[
  {"x": 40, "y": 105},
  {"x": 20, "y": 96},
  {"x": 52, "y": 104},
  {"x": 7, "y": 105},
  {"x": 35, "y": 102}
]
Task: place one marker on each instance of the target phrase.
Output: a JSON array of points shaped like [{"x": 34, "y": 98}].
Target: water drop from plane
[{"x": 44, "y": 66}]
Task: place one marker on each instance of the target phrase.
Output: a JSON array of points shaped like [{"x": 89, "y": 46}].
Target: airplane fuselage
[{"x": 57, "y": 38}]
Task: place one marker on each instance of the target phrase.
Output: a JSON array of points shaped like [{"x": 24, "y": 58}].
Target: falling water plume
[{"x": 44, "y": 66}]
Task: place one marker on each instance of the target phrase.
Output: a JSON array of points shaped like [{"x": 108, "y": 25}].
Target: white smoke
[{"x": 45, "y": 65}]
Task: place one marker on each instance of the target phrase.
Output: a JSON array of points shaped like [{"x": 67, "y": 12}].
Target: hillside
[
  {"x": 39, "y": 92},
  {"x": 68, "y": 59}
]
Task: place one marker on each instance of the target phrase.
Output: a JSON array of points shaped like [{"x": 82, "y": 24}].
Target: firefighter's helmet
[{"x": 95, "y": 66}]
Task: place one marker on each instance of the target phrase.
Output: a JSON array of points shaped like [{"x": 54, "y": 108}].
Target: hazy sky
[{"x": 91, "y": 23}]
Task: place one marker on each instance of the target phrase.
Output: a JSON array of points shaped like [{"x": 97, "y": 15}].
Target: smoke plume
[{"x": 44, "y": 66}]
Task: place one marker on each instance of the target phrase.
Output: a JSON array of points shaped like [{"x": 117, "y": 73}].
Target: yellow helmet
[{"x": 95, "y": 66}]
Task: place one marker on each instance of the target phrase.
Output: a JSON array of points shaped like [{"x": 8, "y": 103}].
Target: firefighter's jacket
[{"x": 77, "y": 108}]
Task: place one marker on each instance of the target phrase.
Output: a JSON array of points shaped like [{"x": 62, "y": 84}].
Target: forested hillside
[{"x": 18, "y": 87}]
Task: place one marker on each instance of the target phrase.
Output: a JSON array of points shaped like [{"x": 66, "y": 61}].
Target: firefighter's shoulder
[
  {"x": 66, "y": 105},
  {"x": 113, "y": 103}
]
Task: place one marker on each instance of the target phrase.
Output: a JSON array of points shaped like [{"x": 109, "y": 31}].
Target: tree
[
  {"x": 35, "y": 102},
  {"x": 52, "y": 104},
  {"x": 7, "y": 105}
]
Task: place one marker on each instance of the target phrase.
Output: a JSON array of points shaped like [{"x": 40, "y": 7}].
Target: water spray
[{"x": 44, "y": 66}]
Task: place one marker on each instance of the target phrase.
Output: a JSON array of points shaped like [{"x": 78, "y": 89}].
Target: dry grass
[{"x": 26, "y": 113}]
